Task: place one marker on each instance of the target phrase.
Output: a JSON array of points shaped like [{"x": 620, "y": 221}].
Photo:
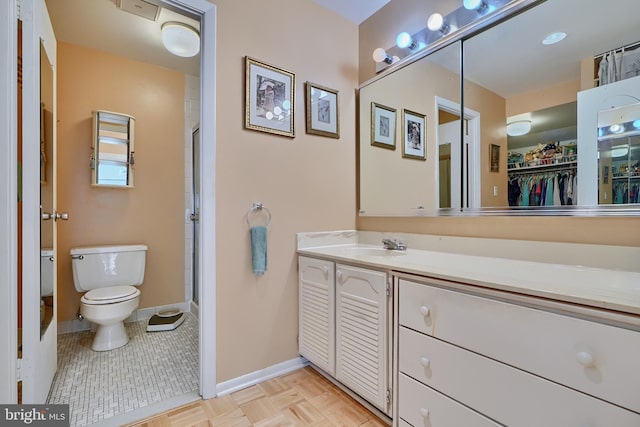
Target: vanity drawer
[
  {"x": 420, "y": 405},
  {"x": 597, "y": 359},
  {"x": 501, "y": 392}
]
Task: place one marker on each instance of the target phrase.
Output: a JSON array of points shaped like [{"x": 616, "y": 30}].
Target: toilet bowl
[{"x": 109, "y": 276}]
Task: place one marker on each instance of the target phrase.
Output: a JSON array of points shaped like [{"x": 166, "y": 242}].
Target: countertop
[{"x": 608, "y": 289}]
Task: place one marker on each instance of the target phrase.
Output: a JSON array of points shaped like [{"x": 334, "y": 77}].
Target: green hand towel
[{"x": 259, "y": 249}]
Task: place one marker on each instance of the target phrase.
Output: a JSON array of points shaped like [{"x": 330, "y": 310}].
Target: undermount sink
[{"x": 374, "y": 252}]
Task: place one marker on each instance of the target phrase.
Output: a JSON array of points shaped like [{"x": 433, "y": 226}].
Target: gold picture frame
[
  {"x": 494, "y": 158},
  {"x": 383, "y": 126},
  {"x": 323, "y": 116},
  {"x": 269, "y": 98}
]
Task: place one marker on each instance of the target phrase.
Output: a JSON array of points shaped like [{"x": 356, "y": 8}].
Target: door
[
  {"x": 195, "y": 212},
  {"x": 362, "y": 333},
  {"x": 39, "y": 331},
  {"x": 449, "y": 144}
]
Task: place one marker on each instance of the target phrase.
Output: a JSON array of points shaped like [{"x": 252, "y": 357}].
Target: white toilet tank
[
  {"x": 103, "y": 266},
  {"x": 46, "y": 272}
]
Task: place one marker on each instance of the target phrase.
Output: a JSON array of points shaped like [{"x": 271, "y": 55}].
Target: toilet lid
[{"x": 110, "y": 294}]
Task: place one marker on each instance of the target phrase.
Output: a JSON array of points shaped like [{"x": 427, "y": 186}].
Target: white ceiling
[{"x": 354, "y": 10}]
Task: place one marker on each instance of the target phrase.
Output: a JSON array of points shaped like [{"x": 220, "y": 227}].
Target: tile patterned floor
[{"x": 152, "y": 367}]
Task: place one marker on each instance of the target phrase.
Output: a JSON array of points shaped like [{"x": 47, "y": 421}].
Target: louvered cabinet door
[
  {"x": 361, "y": 332},
  {"x": 316, "y": 333}
]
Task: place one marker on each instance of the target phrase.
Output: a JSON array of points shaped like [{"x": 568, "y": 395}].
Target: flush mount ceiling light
[
  {"x": 554, "y": 38},
  {"x": 519, "y": 127},
  {"x": 380, "y": 55},
  {"x": 436, "y": 22},
  {"x": 180, "y": 39}
]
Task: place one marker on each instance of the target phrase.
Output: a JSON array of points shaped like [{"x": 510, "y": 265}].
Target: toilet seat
[{"x": 110, "y": 295}]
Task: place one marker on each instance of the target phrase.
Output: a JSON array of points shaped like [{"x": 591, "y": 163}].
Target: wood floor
[{"x": 301, "y": 398}]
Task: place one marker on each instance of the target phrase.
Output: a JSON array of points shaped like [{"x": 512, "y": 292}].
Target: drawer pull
[
  {"x": 425, "y": 362},
  {"x": 424, "y": 310},
  {"x": 325, "y": 271},
  {"x": 339, "y": 276},
  {"x": 585, "y": 359},
  {"x": 424, "y": 412}
]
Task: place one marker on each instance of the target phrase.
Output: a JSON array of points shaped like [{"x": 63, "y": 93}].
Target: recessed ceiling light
[{"x": 554, "y": 38}]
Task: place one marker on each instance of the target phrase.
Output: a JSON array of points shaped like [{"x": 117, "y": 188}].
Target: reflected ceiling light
[
  {"x": 619, "y": 151},
  {"x": 617, "y": 128},
  {"x": 519, "y": 127},
  {"x": 554, "y": 38},
  {"x": 380, "y": 55},
  {"x": 478, "y": 5},
  {"x": 436, "y": 22},
  {"x": 180, "y": 39},
  {"x": 404, "y": 40}
]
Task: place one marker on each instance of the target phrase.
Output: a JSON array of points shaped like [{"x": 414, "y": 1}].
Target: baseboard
[
  {"x": 76, "y": 325},
  {"x": 259, "y": 376}
]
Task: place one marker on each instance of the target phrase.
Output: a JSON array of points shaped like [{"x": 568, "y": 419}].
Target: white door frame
[
  {"x": 473, "y": 119},
  {"x": 8, "y": 203},
  {"x": 8, "y": 196}
]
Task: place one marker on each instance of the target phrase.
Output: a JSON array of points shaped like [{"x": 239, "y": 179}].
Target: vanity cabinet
[
  {"x": 344, "y": 326},
  {"x": 482, "y": 359}
]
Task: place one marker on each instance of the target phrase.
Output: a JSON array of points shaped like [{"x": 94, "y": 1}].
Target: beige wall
[
  {"x": 307, "y": 183},
  {"x": 551, "y": 96},
  {"x": 409, "y": 15},
  {"x": 152, "y": 213}
]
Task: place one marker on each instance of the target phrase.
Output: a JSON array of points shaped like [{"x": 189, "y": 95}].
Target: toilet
[
  {"x": 109, "y": 276},
  {"x": 46, "y": 272}
]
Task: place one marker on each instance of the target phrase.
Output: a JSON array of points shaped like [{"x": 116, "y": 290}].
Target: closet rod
[
  {"x": 541, "y": 172},
  {"x": 631, "y": 46}
]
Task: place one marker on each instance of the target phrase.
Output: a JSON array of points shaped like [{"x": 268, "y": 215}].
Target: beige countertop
[{"x": 601, "y": 288}]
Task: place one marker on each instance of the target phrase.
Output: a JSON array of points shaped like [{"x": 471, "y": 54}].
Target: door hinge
[
  {"x": 19, "y": 370},
  {"x": 389, "y": 396}
]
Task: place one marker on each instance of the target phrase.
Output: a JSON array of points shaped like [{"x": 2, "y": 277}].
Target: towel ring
[{"x": 256, "y": 208}]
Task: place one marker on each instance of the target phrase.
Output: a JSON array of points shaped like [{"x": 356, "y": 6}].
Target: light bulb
[
  {"x": 473, "y": 4},
  {"x": 404, "y": 40},
  {"x": 617, "y": 128},
  {"x": 380, "y": 55},
  {"x": 435, "y": 22}
]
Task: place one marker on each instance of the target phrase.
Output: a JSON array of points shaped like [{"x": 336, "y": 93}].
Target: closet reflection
[{"x": 47, "y": 300}]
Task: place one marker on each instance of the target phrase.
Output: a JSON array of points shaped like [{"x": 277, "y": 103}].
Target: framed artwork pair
[
  {"x": 270, "y": 101},
  {"x": 383, "y": 130}
]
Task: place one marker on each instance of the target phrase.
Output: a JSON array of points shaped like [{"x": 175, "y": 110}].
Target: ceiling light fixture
[
  {"x": 380, "y": 55},
  {"x": 436, "y": 22},
  {"x": 554, "y": 38},
  {"x": 519, "y": 127},
  {"x": 180, "y": 39}
]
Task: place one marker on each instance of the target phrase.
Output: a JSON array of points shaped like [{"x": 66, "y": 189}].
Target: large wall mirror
[{"x": 546, "y": 128}]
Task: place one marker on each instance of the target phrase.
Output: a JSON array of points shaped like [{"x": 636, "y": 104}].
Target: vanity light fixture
[
  {"x": 180, "y": 39},
  {"x": 554, "y": 38},
  {"x": 436, "y": 22},
  {"x": 405, "y": 41},
  {"x": 519, "y": 127},
  {"x": 478, "y": 5},
  {"x": 380, "y": 55}
]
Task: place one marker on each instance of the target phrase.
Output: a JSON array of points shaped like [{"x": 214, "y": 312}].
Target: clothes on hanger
[{"x": 554, "y": 188}]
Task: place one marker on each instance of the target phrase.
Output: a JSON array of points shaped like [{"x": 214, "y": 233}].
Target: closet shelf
[
  {"x": 544, "y": 165},
  {"x": 632, "y": 176}
]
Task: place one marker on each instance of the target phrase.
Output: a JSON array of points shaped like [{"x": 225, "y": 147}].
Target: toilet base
[{"x": 109, "y": 337}]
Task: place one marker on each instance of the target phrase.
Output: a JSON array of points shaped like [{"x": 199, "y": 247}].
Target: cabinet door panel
[
  {"x": 316, "y": 333},
  {"x": 361, "y": 332}
]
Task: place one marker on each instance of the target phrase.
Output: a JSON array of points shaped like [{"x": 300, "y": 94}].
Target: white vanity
[{"x": 437, "y": 338}]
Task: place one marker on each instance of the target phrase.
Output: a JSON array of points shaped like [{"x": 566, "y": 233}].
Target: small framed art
[
  {"x": 494, "y": 158},
  {"x": 414, "y": 135},
  {"x": 383, "y": 126},
  {"x": 269, "y": 98},
  {"x": 322, "y": 111}
]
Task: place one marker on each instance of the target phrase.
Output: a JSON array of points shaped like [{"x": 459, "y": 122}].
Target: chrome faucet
[{"x": 394, "y": 244}]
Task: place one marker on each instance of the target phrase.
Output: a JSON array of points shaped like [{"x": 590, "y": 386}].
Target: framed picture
[
  {"x": 414, "y": 135},
  {"x": 322, "y": 111},
  {"x": 269, "y": 98},
  {"x": 383, "y": 126},
  {"x": 494, "y": 158}
]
